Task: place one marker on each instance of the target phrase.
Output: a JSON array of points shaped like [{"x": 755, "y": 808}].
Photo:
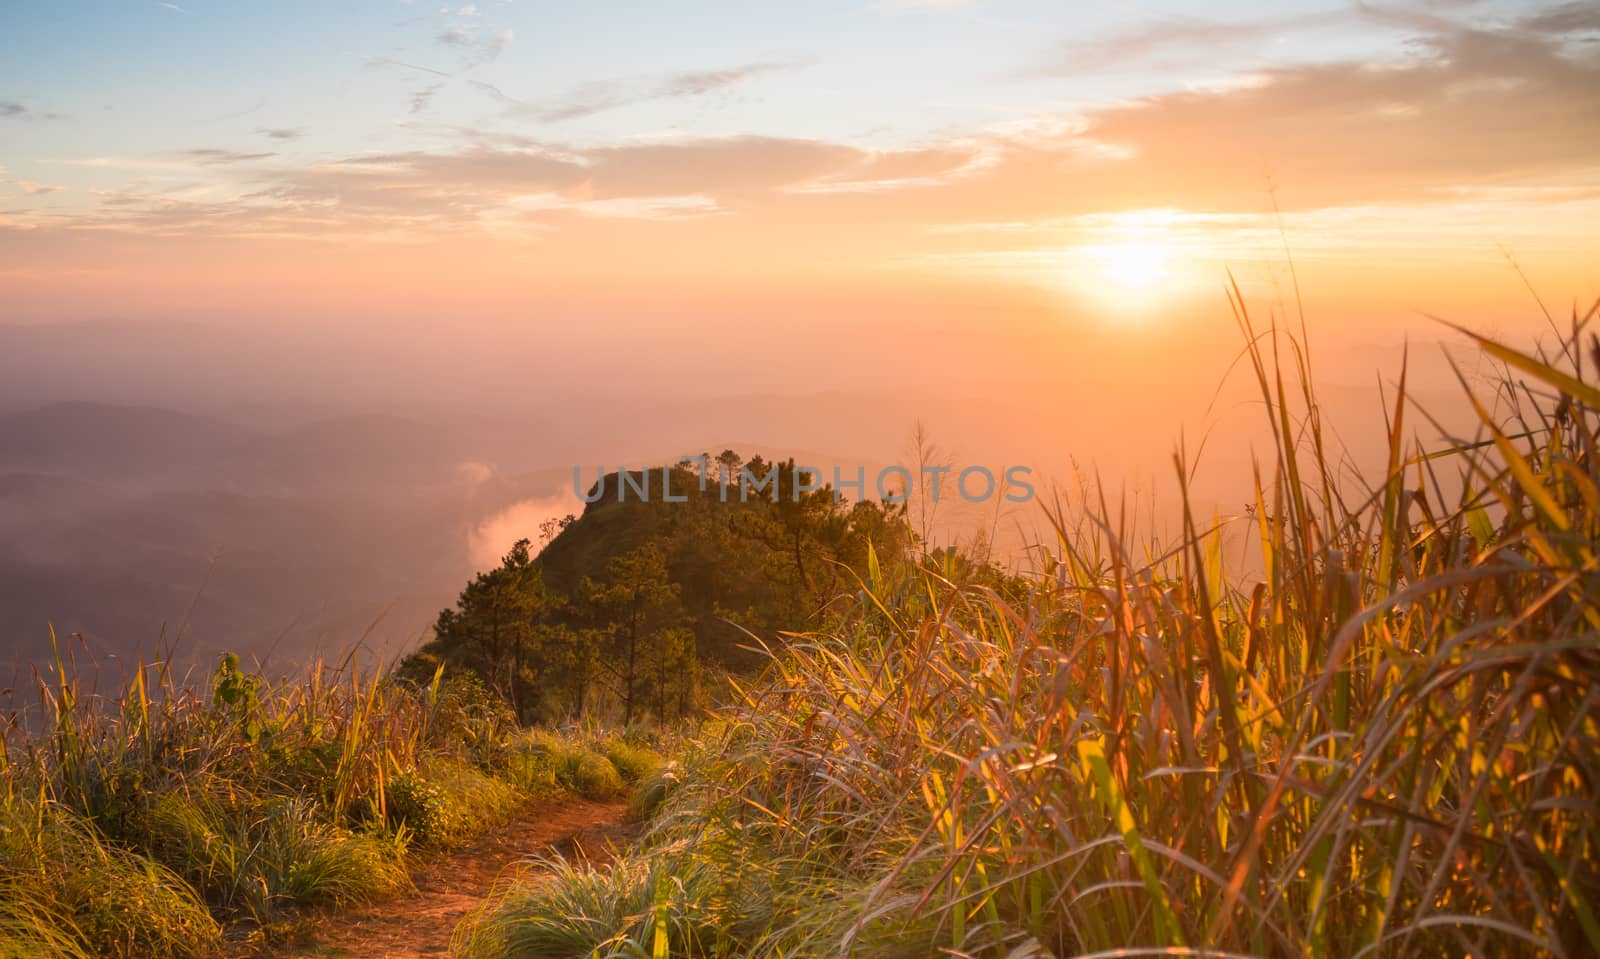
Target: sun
[{"x": 1134, "y": 265}]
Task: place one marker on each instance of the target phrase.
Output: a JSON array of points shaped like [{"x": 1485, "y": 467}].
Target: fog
[{"x": 190, "y": 487}]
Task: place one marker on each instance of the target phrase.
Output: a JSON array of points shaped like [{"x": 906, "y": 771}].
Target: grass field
[
  {"x": 1387, "y": 743},
  {"x": 148, "y": 825},
  {"x": 1383, "y": 740}
]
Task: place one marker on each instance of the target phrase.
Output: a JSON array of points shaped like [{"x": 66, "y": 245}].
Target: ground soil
[{"x": 417, "y": 925}]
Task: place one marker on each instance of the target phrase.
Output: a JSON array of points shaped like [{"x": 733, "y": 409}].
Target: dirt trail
[{"x": 418, "y": 925}]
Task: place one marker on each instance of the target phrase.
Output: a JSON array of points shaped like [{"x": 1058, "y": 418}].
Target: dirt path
[{"x": 418, "y": 925}]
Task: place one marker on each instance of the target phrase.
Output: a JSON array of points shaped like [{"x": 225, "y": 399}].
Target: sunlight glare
[{"x": 1135, "y": 265}]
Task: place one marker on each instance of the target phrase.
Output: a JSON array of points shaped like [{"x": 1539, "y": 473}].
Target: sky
[
  {"x": 372, "y": 235},
  {"x": 702, "y": 183}
]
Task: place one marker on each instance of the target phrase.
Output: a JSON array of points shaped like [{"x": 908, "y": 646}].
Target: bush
[
  {"x": 634, "y": 763},
  {"x": 590, "y": 775},
  {"x": 418, "y": 805},
  {"x": 573, "y": 765},
  {"x": 446, "y": 801}
]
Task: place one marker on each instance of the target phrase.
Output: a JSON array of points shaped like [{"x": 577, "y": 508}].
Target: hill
[
  {"x": 664, "y": 575},
  {"x": 105, "y": 440}
]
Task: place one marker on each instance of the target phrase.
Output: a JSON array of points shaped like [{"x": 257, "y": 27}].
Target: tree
[
  {"x": 492, "y": 629},
  {"x": 637, "y": 602},
  {"x": 728, "y": 464}
]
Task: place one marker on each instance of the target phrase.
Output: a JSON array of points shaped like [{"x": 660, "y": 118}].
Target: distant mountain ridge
[{"x": 102, "y": 439}]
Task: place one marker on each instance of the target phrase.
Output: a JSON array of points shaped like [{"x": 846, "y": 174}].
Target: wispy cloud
[
  {"x": 281, "y": 133},
  {"x": 421, "y": 98},
  {"x": 375, "y": 63},
  {"x": 1179, "y": 41},
  {"x": 420, "y": 193},
  {"x": 594, "y": 98},
  {"x": 211, "y": 156},
  {"x": 173, "y": 7},
  {"x": 1468, "y": 110},
  {"x": 130, "y": 163},
  {"x": 31, "y": 188},
  {"x": 1567, "y": 18},
  {"x": 701, "y": 82},
  {"x": 12, "y": 110},
  {"x": 475, "y": 52}
]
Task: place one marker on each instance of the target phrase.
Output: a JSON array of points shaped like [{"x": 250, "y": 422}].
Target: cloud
[
  {"x": 482, "y": 187},
  {"x": 375, "y": 63},
  {"x": 474, "y": 474},
  {"x": 420, "y": 99},
  {"x": 701, "y": 82},
  {"x": 1567, "y": 18},
  {"x": 653, "y": 178},
  {"x": 924, "y": 168},
  {"x": 1465, "y": 110},
  {"x": 281, "y": 133},
  {"x": 172, "y": 6},
  {"x": 493, "y": 537},
  {"x": 31, "y": 188},
  {"x": 692, "y": 206},
  {"x": 475, "y": 52},
  {"x": 211, "y": 156},
  {"x": 12, "y": 110},
  {"x": 594, "y": 98},
  {"x": 1472, "y": 106},
  {"x": 1179, "y": 41},
  {"x": 495, "y": 45},
  {"x": 1175, "y": 42}
]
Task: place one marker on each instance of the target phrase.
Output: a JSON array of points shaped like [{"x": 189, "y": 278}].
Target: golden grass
[{"x": 1387, "y": 744}]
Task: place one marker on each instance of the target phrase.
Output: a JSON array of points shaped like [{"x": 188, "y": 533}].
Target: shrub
[
  {"x": 445, "y": 801},
  {"x": 634, "y": 763},
  {"x": 576, "y": 766},
  {"x": 418, "y": 805},
  {"x": 591, "y": 775}
]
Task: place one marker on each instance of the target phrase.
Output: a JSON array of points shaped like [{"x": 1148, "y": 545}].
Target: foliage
[
  {"x": 629, "y": 607},
  {"x": 583, "y": 764}
]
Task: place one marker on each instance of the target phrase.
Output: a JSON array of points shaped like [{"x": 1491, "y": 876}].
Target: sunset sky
[
  {"x": 600, "y": 233},
  {"x": 213, "y": 156}
]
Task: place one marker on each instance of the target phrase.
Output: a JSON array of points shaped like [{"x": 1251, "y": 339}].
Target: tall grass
[
  {"x": 1386, "y": 743},
  {"x": 141, "y": 824}
]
